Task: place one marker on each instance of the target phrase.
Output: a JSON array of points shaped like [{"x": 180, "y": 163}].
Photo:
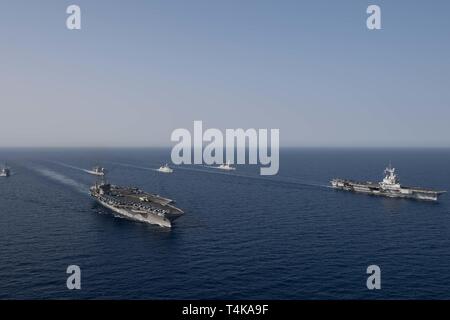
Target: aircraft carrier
[
  {"x": 389, "y": 187},
  {"x": 135, "y": 204}
]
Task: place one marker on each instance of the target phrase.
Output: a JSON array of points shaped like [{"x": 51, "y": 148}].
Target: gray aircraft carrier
[
  {"x": 135, "y": 204},
  {"x": 389, "y": 187}
]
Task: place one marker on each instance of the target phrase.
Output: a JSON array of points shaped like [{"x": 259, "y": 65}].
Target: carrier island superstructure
[
  {"x": 389, "y": 187},
  {"x": 135, "y": 204}
]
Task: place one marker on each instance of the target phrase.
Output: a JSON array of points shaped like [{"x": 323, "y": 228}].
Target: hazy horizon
[{"x": 138, "y": 70}]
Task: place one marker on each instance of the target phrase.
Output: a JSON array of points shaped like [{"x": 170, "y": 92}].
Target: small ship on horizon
[
  {"x": 97, "y": 171},
  {"x": 389, "y": 187},
  {"x": 165, "y": 169},
  {"x": 226, "y": 166},
  {"x": 5, "y": 171}
]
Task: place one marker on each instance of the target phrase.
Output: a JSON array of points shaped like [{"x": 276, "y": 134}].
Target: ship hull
[
  {"x": 165, "y": 170},
  {"x": 99, "y": 174},
  {"x": 138, "y": 216},
  {"x": 376, "y": 189}
]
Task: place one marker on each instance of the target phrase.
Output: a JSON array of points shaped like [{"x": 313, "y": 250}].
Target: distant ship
[
  {"x": 135, "y": 204},
  {"x": 97, "y": 171},
  {"x": 165, "y": 169},
  {"x": 389, "y": 187},
  {"x": 226, "y": 166},
  {"x": 5, "y": 172}
]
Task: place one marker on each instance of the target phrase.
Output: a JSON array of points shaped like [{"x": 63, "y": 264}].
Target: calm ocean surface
[{"x": 243, "y": 236}]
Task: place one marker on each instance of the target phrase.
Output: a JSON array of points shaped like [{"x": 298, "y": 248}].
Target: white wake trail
[
  {"x": 133, "y": 166},
  {"x": 62, "y": 179},
  {"x": 216, "y": 170},
  {"x": 280, "y": 179},
  {"x": 70, "y": 166}
]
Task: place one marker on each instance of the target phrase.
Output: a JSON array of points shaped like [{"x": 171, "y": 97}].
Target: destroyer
[
  {"x": 389, "y": 187},
  {"x": 97, "y": 171},
  {"x": 136, "y": 204},
  {"x": 5, "y": 172},
  {"x": 226, "y": 167},
  {"x": 165, "y": 169}
]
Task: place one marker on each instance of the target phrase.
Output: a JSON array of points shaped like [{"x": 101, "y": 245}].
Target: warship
[
  {"x": 226, "y": 166},
  {"x": 5, "y": 172},
  {"x": 97, "y": 171},
  {"x": 165, "y": 169},
  {"x": 389, "y": 187},
  {"x": 135, "y": 204}
]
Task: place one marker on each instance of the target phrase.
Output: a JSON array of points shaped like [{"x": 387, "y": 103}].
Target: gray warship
[
  {"x": 5, "y": 172},
  {"x": 389, "y": 187},
  {"x": 135, "y": 204},
  {"x": 97, "y": 171}
]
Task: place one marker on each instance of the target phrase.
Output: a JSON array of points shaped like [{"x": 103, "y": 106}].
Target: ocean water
[{"x": 243, "y": 236}]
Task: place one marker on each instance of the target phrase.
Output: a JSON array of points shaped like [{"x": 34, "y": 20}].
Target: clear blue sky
[{"x": 139, "y": 69}]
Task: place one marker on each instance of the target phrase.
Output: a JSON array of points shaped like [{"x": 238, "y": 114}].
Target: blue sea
[{"x": 243, "y": 236}]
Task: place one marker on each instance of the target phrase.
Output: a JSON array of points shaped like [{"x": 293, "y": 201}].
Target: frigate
[
  {"x": 226, "y": 166},
  {"x": 97, "y": 171},
  {"x": 5, "y": 172},
  {"x": 165, "y": 169}
]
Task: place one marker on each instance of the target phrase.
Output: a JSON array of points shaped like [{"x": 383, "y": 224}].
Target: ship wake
[
  {"x": 55, "y": 176},
  {"x": 208, "y": 169},
  {"x": 134, "y": 166},
  {"x": 70, "y": 166}
]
